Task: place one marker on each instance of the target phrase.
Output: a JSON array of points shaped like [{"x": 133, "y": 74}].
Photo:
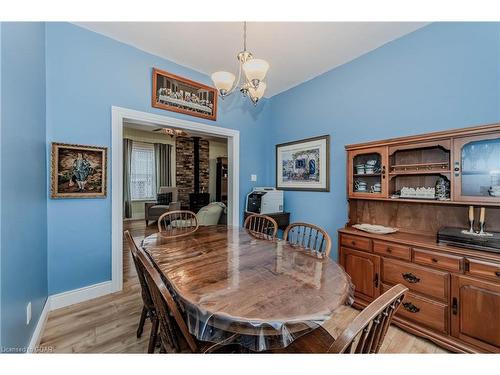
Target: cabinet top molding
[{"x": 451, "y": 133}]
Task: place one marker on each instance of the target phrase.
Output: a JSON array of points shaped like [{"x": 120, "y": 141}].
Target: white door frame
[{"x": 118, "y": 116}]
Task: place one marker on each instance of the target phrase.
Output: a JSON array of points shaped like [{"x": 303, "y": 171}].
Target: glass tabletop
[{"x": 237, "y": 288}]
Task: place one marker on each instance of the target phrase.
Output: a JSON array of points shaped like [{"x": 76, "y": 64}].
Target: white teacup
[
  {"x": 360, "y": 169},
  {"x": 360, "y": 185},
  {"x": 369, "y": 169}
]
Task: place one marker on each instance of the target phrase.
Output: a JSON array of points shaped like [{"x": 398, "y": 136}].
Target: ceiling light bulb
[
  {"x": 255, "y": 70},
  {"x": 257, "y": 93},
  {"x": 223, "y": 81}
]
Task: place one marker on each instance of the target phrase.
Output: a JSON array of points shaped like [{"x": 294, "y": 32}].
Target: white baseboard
[
  {"x": 71, "y": 297},
  {"x": 64, "y": 299},
  {"x": 37, "y": 333}
]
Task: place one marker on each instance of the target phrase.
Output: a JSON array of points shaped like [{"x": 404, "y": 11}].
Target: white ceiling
[{"x": 296, "y": 51}]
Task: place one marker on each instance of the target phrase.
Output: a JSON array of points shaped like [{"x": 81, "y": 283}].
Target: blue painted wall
[
  {"x": 23, "y": 217},
  {"x": 443, "y": 76},
  {"x": 88, "y": 73}
]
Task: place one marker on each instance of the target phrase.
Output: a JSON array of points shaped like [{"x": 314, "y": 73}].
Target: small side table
[{"x": 282, "y": 218}]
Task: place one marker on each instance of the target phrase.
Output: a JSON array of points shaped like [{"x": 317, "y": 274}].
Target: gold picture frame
[
  {"x": 178, "y": 94},
  {"x": 78, "y": 171}
]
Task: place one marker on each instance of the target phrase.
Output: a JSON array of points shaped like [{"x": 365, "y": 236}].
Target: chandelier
[{"x": 253, "y": 85}]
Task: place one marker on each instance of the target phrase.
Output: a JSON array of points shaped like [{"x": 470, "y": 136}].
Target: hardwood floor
[{"x": 108, "y": 324}]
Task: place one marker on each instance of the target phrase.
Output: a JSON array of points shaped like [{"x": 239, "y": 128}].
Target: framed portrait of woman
[{"x": 78, "y": 171}]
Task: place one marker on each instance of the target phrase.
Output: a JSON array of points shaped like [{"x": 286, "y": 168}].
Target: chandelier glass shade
[{"x": 251, "y": 83}]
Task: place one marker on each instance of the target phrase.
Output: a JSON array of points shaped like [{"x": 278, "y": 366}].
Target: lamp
[{"x": 255, "y": 70}]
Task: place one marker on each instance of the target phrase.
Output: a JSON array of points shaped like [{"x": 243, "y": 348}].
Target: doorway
[{"x": 120, "y": 117}]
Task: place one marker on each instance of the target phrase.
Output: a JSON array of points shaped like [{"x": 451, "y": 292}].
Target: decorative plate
[{"x": 377, "y": 229}]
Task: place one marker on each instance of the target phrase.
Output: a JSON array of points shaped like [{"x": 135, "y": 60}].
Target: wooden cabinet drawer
[
  {"x": 355, "y": 242},
  {"x": 438, "y": 260},
  {"x": 392, "y": 249},
  {"x": 485, "y": 269},
  {"x": 432, "y": 283},
  {"x": 424, "y": 311}
]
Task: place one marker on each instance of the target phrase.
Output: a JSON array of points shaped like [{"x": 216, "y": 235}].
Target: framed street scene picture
[
  {"x": 78, "y": 171},
  {"x": 304, "y": 165},
  {"x": 182, "y": 95}
]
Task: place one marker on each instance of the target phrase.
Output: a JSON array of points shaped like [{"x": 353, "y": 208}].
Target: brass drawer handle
[
  {"x": 411, "y": 278},
  {"x": 434, "y": 260},
  {"x": 408, "y": 306},
  {"x": 389, "y": 250},
  {"x": 454, "y": 306}
]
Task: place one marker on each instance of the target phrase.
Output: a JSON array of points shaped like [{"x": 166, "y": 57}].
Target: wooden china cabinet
[
  {"x": 454, "y": 297},
  {"x": 378, "y": 156}
]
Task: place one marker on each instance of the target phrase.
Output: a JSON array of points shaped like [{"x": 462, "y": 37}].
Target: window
[{"x": 142, "y": 176}]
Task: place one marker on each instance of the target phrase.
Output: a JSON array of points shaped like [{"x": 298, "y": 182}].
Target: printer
[{"x": 264, "y": 200}]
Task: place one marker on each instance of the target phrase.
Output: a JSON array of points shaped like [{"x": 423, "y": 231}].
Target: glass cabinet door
[
  {"x": 367, "y": 173},
  {"x": 476, "y": 168}
]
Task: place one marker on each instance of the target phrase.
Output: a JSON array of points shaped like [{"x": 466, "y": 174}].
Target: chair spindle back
[
  {"x": 309, "y": 237},
  {"x": 366, "y": 332},
  {"x": 177, "y": 223},
  {"x": 146, "y": 296},
  {"x": 164, "y": 303},
  {"x": 261, "y": 226}
]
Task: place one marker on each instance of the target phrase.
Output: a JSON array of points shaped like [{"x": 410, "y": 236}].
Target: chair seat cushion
[{"x": 316, "y": 341}]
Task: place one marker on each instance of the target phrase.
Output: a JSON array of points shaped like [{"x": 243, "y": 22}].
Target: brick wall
[{"x": 185, "y": 167}]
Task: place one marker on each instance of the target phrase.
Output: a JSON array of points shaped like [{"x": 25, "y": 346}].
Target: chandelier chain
[{"x": 244, "y": 35}]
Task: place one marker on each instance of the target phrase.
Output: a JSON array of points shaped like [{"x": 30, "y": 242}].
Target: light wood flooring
[{"x": 108, "y": 324}]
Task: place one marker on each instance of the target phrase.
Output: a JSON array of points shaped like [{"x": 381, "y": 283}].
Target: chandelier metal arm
[{"x": 236, "y": 84}]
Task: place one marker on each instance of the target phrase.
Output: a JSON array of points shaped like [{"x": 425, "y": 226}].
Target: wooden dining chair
[
  {"x": 174, "y": 224},
  {"x": 310, "y": 238},
  {"x": 166, "y": 306},
  {"x": 148, "y": 309},
  {"x": 261, "y": 226},
  {"x": 364, "y": 334}
]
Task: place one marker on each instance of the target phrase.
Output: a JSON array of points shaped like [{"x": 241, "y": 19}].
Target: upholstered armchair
[
  {"x": 211, "y": 214},
  {"x": 166, "y": 200},
  {"x": 207, "y": 215}
]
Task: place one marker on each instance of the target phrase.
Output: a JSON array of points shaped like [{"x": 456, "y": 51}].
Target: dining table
[{"x": 236, "y": 288}]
